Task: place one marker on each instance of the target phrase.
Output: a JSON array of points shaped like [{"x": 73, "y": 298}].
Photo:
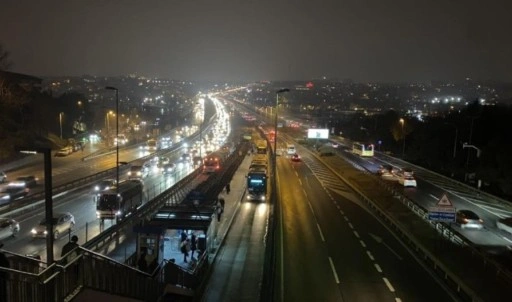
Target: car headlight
[
  {"x": 118, "y": 213},
  {"x": 33, "y": 231},
  {"x": 96, "y": 188},
  {"x": 45, "y": 232}
]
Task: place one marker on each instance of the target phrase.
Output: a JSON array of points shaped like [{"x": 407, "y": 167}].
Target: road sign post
[{"x": 443, "y": 211}]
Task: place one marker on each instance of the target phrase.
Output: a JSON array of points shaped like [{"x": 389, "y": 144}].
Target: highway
[
  {"x": 335, "y": 250},
  {"x": 79, "y": 201}
]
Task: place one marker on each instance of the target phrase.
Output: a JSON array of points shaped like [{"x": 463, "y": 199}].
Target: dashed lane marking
[
  {"x": 370, "y": 255},
  {"x": 388, "y": 284},
  {"x": 334, "y": 271},
  {"x": 377, "y": 267},
  {"x": 320, "y": 231}
]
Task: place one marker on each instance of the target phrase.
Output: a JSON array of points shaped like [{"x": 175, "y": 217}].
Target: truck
[
  {"x": 261, "y": 146},
  {"x": 118, "y": 202},
  {"x": 257, "y": 184}
]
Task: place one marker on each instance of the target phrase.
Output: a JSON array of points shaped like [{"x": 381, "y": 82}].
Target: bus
[
  {"x": 257, "y": 184},
  {"x": 117, "y": 203},
  {"x": 366, "y": 150}
]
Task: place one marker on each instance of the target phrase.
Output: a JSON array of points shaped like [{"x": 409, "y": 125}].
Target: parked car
[
  {"x": 13, "y": 192},
  {"x": 3, "y": 177},
  {"x": 27, "y": 181},
  {"x": 8, "y": 228},
  {"x": 469, "y": 219},
  {"x": 64, "y": 151},
  {"x": 62, "y": 223}
]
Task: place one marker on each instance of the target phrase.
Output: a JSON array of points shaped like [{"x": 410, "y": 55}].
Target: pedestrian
[
  {"x": 228, "y": 188},
  {"x": 4, "y": 276},
  {"x": 219, "y": 212},
  {"x": 185, "y": 247},
  {"x": 193, "y": 245},
  {"x": 221, "y": 202},
  {"x": 142, "y": 264},
  {"x": 183, "y": 236},
  {"x": 68, "y": 247}
]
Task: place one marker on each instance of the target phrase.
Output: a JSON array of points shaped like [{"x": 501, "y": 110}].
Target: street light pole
[
  {"x": 274, "y": 168},
  {"x": 402, "y": 122},
  {"x": 117, "y": 135},
  {"x": 60, "y": 123}
]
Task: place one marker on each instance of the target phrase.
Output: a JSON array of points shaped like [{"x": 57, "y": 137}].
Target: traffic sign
[
  {"x": 442, "y": 214},
  {"x": 444, "y": 201}
]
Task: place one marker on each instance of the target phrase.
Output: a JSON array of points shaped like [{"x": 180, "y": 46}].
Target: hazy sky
[{"x": 366, "y": 40}]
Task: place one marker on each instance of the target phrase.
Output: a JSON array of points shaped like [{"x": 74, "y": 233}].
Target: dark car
[
  {"x": 13, "y": 192},
  {"x": 295, "y": 157},
  {"x": 104, "y": 185},
  {"x": 27, "y": 181},
  {"x": 469, "y": 219}
]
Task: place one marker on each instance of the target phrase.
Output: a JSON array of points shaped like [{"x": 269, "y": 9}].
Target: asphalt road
[{"x": 334, "y": 250}]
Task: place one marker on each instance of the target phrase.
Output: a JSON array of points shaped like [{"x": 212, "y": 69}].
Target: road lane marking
[
  {"x": 350, "y": 225},
  {"x": 506, "y": 239},
  {"x": 300, "y": 181},
  {"x": 377, "y": 267},
  {"x": 435, "y": 197},
  {"x": 297, "y": 174},
  {"x": 346, "y": 218},
  {"x": 388, "y": 284},
  {"x": 342, "y": 213},
  {"x": 362, "y": 243},
  {"x": 320, "y": 230},
  {"x": 398, "y": 300},
  {"x": 334, "y": 271},
  {"x": 311, "y": 208},
  {"x": 305, "y": 193},
  {"x": 370, "y": 255},
  {"x": 356, "y": 234}
]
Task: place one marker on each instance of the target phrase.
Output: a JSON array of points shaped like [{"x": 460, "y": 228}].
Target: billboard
[{"x": 318, "y": 133}]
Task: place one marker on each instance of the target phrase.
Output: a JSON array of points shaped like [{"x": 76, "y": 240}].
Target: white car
[
  {"x": 407, "y": 181},
  {"x": 62, "y": 223},
  {"x": 8, "y": 228},
  {"x": 505, "y": 224}
]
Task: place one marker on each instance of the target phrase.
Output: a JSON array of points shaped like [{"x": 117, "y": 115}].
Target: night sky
[{"x": 365, "y": 40}]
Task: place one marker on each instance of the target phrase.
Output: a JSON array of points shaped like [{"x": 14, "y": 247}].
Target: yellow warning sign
[{"x": 444, "y": 201}]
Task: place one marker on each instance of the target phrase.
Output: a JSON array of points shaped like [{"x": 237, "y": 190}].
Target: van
[{"x": 290, "y": 149}]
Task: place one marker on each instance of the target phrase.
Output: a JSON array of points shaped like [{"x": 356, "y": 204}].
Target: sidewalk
[{"x": 126, "y": 246}]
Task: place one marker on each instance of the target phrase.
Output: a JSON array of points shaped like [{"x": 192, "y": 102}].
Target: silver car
[
  {"x": 62, "y": 223},
  {"x": 8, "y": 228}
]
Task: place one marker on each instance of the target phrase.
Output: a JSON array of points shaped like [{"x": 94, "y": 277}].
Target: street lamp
[
  {"x": 60, "y": 123},
  {"x": 275, "y": 128},
  {"x": 117, "y": 135},
  {"x": 402, "y": 122}
]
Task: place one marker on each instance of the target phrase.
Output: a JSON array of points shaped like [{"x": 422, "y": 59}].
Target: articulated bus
[{"x": 366, "y": 150}]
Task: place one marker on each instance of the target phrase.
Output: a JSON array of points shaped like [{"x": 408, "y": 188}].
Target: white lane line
[
  {"x": 300, "y": 181},
  {"x": 370, "y": 255},
  {"x": 356, "y": 234},
  {"x": 350, "y": 225},
  {"x": 506, "y": 239},
  {"x": 377, "y": 267},
  {"x": 398, "y": 300},
  {"x": 320, "y": 230},
  {"x": 305, "y": 193},
  {"x": 334, "y": 271},
  {"x": 346, "y": 218},
  {"x": 388, "y": 284},
  {"x": 435, "y": 197},
  {"x": 342, "y": 213},
  {"x": 297, "y": 174},
  {"x": 362, "y": 243},
  {"x": 311, "y": 208}
]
